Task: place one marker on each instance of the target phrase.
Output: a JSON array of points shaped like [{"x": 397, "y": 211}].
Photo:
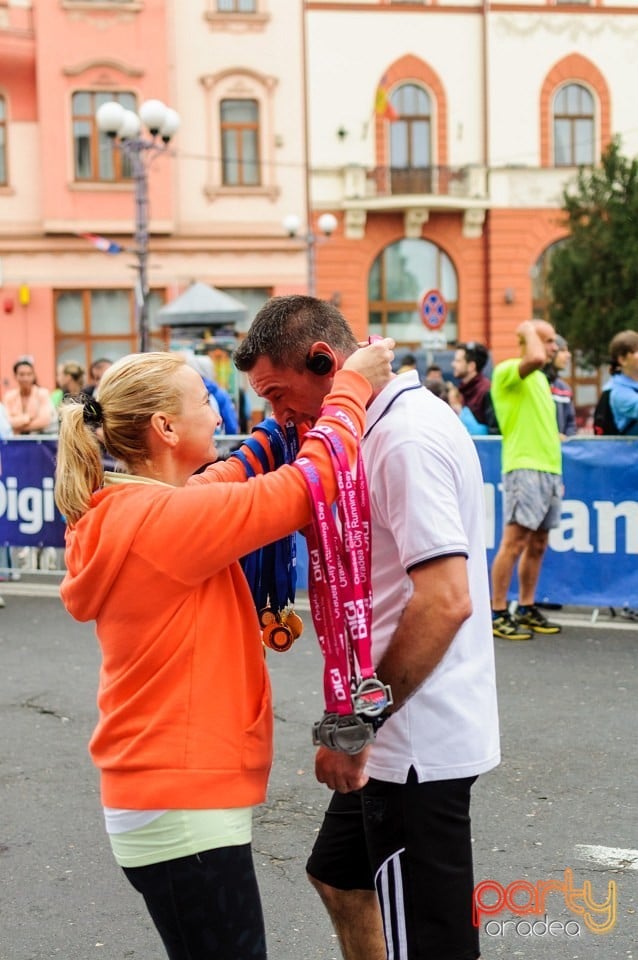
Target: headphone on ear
[{"x": 319, "y": 363}]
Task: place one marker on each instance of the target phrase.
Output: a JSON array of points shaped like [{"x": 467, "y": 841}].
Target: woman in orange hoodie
[{"x": 184, "y": 736}]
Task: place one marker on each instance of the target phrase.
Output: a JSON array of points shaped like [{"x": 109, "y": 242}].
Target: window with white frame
[
  {"x": 239, "y": 125},
  {"x": 411, "y": 140},
  {"x": 574, "y": 126}
]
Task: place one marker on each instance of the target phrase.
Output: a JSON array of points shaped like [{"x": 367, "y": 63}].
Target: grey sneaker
[{"x": 506, "y": 627}]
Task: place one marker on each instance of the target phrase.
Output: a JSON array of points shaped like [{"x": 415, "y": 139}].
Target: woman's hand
[{"x": 373, "y": 361}]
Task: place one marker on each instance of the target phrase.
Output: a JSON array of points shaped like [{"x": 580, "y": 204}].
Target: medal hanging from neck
[
  {"x": 271, "y": 571},
  {"x": 340, "y": 590}
]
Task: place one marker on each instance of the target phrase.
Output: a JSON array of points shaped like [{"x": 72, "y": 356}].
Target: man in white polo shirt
[{"x": 394, "y": 855}]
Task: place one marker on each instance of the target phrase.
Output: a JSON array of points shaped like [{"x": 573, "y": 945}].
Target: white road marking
[{"x": 608, "y": 856}]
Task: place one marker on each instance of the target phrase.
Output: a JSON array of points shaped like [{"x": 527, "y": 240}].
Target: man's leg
[
  {"x": 529, "y": 566},
  {"x": 339, "y": 869},
  {"x": 356, "y": 917},
  {"x": 420, "y": 845},
  {"x": 511, "y": 547}
]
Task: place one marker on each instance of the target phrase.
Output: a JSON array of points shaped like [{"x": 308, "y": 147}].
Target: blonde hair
[{"x": 130, "y": 392}]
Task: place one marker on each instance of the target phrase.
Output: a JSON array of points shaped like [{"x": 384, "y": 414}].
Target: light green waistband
[{"x": 182, "y": 833}]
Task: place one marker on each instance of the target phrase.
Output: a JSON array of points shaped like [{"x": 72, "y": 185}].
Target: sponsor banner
[
  {"x": 591, "y": 560},
  {"x": 28, "y": 515}
]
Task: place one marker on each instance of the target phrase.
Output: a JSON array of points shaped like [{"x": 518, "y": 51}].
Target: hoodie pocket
[{"x": 257, "y": 746}]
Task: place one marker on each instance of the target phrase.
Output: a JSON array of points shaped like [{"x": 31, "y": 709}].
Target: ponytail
[{"x": 79, "y": 471}]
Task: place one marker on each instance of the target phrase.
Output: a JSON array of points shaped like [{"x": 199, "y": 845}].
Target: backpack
[{"x": 604, "y": 421}]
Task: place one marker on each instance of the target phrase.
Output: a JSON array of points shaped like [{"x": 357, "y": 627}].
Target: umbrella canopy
[{"x": 202, "y": 305}]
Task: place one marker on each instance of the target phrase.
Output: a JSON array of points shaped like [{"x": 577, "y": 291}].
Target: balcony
[{"x": 413, "y": 191}]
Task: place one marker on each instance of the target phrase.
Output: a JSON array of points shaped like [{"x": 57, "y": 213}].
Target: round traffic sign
[{"x": 433, "y": 309}]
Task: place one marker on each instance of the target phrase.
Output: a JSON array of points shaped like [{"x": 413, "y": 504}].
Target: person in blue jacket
[
  {"x": 623, "y": 397},
  {"x": 222, "y": 400}
]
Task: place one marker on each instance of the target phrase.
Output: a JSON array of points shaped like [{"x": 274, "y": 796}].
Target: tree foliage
[{"x": 593, "y": 274}]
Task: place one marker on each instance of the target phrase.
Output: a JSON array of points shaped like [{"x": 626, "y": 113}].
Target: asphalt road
[{"x": 562, "y": 799}]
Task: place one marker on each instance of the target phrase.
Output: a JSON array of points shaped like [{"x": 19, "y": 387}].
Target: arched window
[
  {"x": 411, "y": 140},
  {"x": 3, "y": 143},
  {"x": 239, "y": 124},
  {"x": 574, "y": 130},
  {"x": 539, "y": 274},
  {"x": 399, "y": 276},
  {"x": 94, "y": 155}
]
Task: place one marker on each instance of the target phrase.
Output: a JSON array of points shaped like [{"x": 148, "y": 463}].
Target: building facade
[{"x": 439, "y": 134}]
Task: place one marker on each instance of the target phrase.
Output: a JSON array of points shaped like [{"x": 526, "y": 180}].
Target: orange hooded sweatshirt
[{"x": 185, "y": 711}]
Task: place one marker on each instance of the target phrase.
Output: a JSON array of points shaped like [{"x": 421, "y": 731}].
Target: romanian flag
[
  {"x": 102, "y": 243},
  {"x": 382, "y": 105}
]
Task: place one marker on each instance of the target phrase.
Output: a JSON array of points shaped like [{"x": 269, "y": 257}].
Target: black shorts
[{"x": 412, "y": 843}]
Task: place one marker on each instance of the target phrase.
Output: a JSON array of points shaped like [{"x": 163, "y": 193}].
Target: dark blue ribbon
[{"x": 271, "y": 571}]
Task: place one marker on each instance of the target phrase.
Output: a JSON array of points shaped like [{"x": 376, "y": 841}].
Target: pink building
[{"x": 221, "y": 223}]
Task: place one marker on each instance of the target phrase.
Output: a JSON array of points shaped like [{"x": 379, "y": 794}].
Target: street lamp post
[
  {"x": 327, "y": 224},
  {"x": 124, "y": 128}
]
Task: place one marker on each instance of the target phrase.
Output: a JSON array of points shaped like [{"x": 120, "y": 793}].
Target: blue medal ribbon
[{"x": 271, "y": 571}]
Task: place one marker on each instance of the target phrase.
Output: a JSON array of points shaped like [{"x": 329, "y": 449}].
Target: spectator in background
[
  {"x": 72, "y": 380},
  {"x": 465, "y": 415},
  {"x": 623, "y": 398},
  {"x": 408, "y": 362},
  {"x": 561, "y": 390},
  {"x": 28, "y": 406},
  {"x": 96, "y": 372},
  {"x": 434, "y": 372},
  {"x": 222, "y": 400},
  {"x": 532, "y": 479},
  {"x": 468, "y": 364},
  {"x": 57, "y": 395}
]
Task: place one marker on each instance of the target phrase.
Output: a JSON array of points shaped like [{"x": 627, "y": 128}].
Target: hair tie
[{"x": 92, "y": 412}]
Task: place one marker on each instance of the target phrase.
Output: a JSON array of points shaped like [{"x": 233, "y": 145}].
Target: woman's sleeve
[{"x": 211, "y": 525}]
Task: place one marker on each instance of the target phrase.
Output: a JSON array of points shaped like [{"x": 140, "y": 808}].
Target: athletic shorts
[
  {"x": 532, "y": 499},
  {"x": 412, "y": 843}
]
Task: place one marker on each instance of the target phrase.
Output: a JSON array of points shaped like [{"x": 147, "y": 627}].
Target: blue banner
[
  {"x": 592, "y": 558},
  {"x": 28, "y": 515}
]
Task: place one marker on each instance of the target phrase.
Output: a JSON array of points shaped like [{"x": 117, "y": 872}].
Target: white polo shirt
[{"x": 427, "y": 501}]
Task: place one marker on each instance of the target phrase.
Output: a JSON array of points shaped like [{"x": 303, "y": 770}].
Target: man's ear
[{"x": 162, "y": 428}]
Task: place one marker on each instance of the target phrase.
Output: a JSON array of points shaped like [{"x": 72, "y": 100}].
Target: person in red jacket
[{"x": 184, "y": 736}]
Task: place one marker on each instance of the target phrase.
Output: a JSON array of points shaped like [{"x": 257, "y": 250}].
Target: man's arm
[
  {"x": 534, "y": 356},
  {"x": 438, "y": 607}
]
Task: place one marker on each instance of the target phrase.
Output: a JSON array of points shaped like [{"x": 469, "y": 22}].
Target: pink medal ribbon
[{"x": 340, "y": 587}]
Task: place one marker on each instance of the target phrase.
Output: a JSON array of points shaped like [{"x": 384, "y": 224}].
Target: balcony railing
[{"x": 433, "y": 181}]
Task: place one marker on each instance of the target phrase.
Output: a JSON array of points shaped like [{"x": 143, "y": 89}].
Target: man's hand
[{"x": 341, "y": 771}]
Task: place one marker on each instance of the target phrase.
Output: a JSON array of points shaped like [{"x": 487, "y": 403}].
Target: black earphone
[{"x": 319, "y": 363}]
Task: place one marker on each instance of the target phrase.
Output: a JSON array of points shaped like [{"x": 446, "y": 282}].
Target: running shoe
[
  {"x": 531, "y": 618},
  {"x": 506, "y": 627}
]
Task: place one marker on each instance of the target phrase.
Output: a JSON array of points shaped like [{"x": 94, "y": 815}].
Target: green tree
[{"x": 593, "y": 275}]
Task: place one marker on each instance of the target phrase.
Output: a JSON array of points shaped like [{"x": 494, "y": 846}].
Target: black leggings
[{"x": 206, "y": 906}]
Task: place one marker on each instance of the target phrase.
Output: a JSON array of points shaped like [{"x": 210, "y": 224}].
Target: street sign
[{"x": 433, "y": 310}]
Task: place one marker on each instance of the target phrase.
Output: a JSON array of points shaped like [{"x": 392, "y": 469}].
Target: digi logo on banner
[{"x": 29, "y": 507}]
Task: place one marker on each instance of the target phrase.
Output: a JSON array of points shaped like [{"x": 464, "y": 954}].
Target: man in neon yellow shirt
[{"x": 532, "y": 478}]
